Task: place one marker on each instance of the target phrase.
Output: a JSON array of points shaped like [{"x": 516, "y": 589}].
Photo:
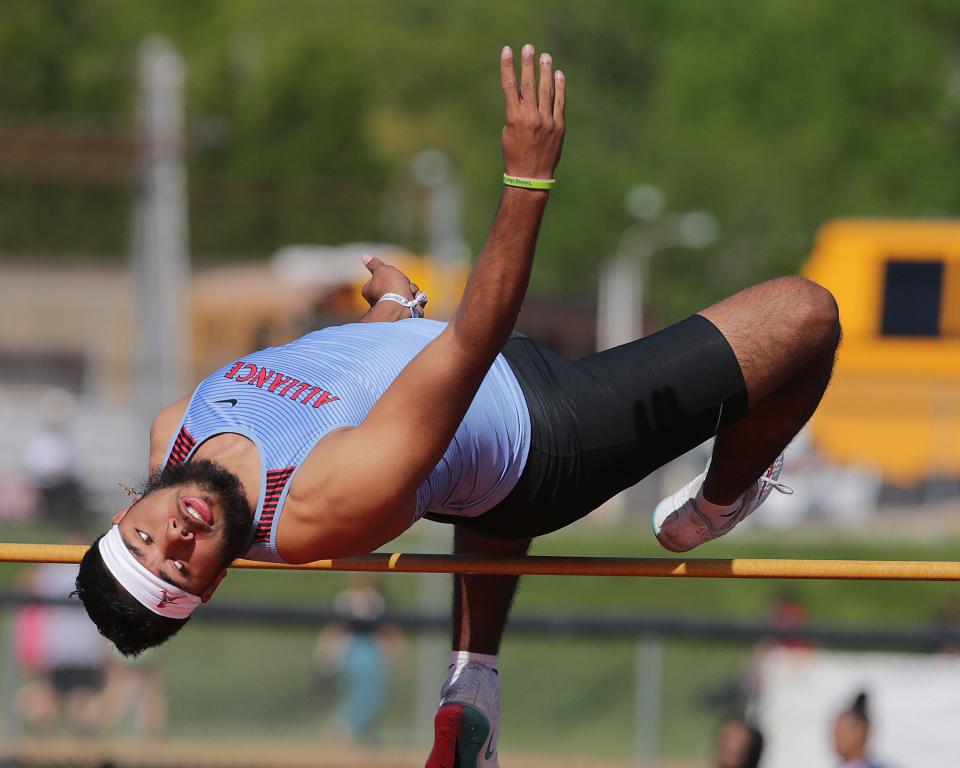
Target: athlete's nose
[{"x": 176, "y": 531}]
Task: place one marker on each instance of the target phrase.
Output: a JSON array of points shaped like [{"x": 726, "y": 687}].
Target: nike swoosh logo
[
  {"x": 490, "y": 752},
  {"x": 229, "y": 400}
]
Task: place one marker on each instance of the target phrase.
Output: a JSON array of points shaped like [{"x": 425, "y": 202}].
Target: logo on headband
[{"x": 167, "y": 599}]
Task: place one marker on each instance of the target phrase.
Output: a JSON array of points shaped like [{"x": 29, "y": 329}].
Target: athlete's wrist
[
  {"x": 414, "y": 304},
  {"x": 539, "y": 182},
  {"x": 385, "y": 313}
]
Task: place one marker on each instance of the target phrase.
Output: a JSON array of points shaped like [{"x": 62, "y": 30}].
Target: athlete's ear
[
  {"x": 120, "y": 515},
  {"x": 212, "y": 586}
]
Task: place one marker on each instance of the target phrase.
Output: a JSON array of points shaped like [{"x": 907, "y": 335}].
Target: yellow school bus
[{"x": 894, "y": 402}]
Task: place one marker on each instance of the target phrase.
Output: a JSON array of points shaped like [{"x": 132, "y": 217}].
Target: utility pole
[
  {"x": 161, "y": 258},
  {"x": 624, "y": 278},
  {"x": 446, "y": 246},
  {"x": 432, "y": 170}
]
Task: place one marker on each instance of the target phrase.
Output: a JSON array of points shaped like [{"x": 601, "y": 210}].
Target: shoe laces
[
  {"x": 776, "y": 485},
  {"x": 768, "y": 483},
  {"x": 765, "y": 485}
]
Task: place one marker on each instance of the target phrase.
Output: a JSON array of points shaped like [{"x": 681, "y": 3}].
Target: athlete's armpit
[
  {"x": 164, "y": 425},
  {"x": 342, "y": 503}
]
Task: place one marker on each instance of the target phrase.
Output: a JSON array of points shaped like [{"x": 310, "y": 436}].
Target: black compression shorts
[{"x": 602, "y": 423}]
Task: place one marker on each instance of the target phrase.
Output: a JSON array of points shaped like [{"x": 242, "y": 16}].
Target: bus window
[{"x": 911, "y": 298}]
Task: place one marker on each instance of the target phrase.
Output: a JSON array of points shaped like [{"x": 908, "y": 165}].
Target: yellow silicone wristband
[{"x": 525, "y": 183}]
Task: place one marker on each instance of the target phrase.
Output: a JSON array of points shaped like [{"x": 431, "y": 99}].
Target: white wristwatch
[{"x": 415, "y": 305}]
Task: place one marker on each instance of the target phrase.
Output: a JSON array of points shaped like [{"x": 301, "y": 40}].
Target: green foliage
[{"x": 772, "y": 114}]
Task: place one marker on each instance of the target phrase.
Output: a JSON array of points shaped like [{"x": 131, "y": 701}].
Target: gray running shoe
[
  {"x": 467, "y": 723},
  {"x": 680, "y": 525}
]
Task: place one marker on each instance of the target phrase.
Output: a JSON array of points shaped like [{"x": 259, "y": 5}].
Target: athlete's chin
[
  {"x": 235, "y": 531},
  {"x": 207, "y": 561}
]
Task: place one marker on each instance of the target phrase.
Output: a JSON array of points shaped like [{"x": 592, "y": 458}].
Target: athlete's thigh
[
  {"x": 660, "y": 396},
  {"x": 602, "y": 423}
]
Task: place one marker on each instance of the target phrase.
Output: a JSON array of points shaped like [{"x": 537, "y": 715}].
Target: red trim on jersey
[
  {"x": 276, "y": 481},
  {"x": 181, "y": 447}
]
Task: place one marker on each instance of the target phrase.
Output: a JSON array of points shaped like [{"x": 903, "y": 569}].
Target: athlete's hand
[
  {"x": 533, "y": 135},
  {"x": 385, "y": 278}
]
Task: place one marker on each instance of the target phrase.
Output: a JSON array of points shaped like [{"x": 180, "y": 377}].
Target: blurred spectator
[
  {"x": 18, "y": 499},
  {"x": 789, "y": 613},
  {"x": 136, "y": 693},
  {"x": 739, "y": 744},
  {"x": 63, "y": 657},
  {"x": 50, "y": 461},
  {"x": 356, "y": 653},
  {"x": 851, "y": 733},
  {"x": 74, "y": 679}
]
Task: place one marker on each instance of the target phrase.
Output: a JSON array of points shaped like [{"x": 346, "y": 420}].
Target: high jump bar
[{"x": 543, "y": 565}]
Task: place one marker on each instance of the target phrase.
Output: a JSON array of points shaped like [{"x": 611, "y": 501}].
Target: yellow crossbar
[{"x": 540, "y": 565}]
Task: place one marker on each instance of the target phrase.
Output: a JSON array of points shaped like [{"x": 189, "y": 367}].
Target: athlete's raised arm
[{"x": 357, "y": 489}]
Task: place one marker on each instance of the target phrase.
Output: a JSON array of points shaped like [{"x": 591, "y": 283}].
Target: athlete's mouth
[{"x": 196, "y": 512}]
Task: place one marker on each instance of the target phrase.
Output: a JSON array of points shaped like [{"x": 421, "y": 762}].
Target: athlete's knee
[
  {"x": 824, "y": 313},
  {"x": 815, "y": 309}
]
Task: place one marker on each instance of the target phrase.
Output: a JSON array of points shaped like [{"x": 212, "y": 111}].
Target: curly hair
[{"x": 131, "y": 627}]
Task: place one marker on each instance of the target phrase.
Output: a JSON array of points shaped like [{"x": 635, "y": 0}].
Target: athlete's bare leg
[
  {"x": 481, "y": 603},
  {"x": 785, "y": 334},
  {"x": 467, "y": 724}
]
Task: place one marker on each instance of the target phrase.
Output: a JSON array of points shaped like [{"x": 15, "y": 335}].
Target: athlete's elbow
[
  {"x": 476, "y": 345},
  {"x": 342, "y": 529}
]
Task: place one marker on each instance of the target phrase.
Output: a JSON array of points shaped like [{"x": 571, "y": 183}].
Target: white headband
[{"x": 147, "y": 588}]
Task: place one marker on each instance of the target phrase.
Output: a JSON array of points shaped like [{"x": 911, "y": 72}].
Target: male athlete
[{"x": 333, "y": 444}]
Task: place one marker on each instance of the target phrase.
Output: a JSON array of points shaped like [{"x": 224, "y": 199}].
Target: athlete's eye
[{"x": 144, "y": 537}]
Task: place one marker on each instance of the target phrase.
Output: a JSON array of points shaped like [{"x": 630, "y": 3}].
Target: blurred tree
[{"x": 306, "y": 114}]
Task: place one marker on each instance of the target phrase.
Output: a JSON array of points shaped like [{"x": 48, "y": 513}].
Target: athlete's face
[{"x": 188, "y": 525}]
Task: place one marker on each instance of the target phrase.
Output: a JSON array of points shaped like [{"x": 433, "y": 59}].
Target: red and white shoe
[
  {"x": 680, "y": 525},
  {"x": 467, "y": 723}
]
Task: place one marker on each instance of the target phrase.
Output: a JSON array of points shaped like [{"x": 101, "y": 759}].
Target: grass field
[{"x": 560, "y": 695}]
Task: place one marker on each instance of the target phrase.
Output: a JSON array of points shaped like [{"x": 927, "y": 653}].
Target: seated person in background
[
  {"x": 851, "y": 735},
  {"x": 739, "y": 744},
  {"x": 63, "y": 656},
  {"x": 358, "y": 652}
]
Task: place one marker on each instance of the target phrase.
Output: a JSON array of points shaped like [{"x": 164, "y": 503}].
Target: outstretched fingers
[
  {"x": 546, "y": 85},
  {"x": 533, "y": 135},
  {"x": 560, "y": 98},
  {"x": 508, "y": 79},
  {"x": 528, "y": 79},
  {"x": 547, "y": 98}
]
